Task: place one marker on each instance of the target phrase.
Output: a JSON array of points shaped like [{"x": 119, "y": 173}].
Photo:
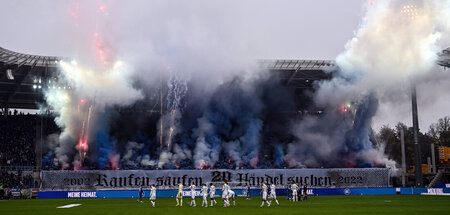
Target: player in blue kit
[{"x": 141, "y": 194}]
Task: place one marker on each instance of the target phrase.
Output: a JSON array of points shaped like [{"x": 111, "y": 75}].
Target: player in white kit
[
  {"x": 231, "y": 196},
  {"x": 212, "y": 194},
  {"x": 192, "y": 195},
  {"x": 225, "y": 190},
  {"x": 294, "y": 189},
  {"x": 205, "y": 195},
  {"x": 152, "y": 194},
  {"x": 273, "y": 194},
  {"x": 264, "y": 194}
]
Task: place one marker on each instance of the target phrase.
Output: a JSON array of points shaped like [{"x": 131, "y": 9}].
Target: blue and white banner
[
  {"x": 161, "y": 193},
  {"x": 168, "y": 179}
]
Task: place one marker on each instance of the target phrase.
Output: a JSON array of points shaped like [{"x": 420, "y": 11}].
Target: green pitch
[{"x": 348, "y": 205}]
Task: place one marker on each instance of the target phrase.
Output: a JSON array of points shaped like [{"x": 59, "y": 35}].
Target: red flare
[
  {"x": 82, "y": 144},
  {"x": 204, "y": 165}
]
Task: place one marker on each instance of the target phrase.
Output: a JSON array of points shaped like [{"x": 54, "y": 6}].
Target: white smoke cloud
[
  {"x": 164, "y": 158},
  {"x": 396, "y": 43},
  {"x": 174, "y": 157},
  {"x": 146, "y": 161},
  {"x": 315, "y": 145},
  {"x": 105, "y": 87},
  {"x": 87, "y": 94},
  {"x": 233, "y": 150},
  {"x": 377, "y": 156},
  {"x": 132, "y": 154},
  {"x": 411, "y": 45}
]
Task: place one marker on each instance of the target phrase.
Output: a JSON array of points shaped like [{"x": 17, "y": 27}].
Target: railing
[
  {"x": 436, "y": 178},
  {"x": 19, "y": 168}
]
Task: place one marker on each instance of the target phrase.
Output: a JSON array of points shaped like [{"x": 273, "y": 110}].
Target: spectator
[
  {"x": 2, "y": 192},
  {"x": 17, "y": 138},
  {"x": 15, "y": 180}
]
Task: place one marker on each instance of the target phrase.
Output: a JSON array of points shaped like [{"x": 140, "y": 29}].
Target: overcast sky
[
  {"x": 294, "y": 29},
  {"x": 299, "y": 28}
]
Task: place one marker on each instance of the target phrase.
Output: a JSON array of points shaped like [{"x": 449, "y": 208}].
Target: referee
[{"x": 305, "y": 194}]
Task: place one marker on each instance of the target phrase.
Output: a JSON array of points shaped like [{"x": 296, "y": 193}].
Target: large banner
[{"x": 168, "y": 179}]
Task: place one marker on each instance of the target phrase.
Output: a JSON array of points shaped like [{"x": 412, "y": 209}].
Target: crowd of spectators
[
  {"x": 15, "y": 180},
  {"x": 17, "y": 134},
  {"x": 18, "y": 137}
]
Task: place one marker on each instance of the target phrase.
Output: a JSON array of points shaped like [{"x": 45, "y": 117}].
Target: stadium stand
[
  {"x": 15, "y": 179},
  {"x": 17, "y": 141}
]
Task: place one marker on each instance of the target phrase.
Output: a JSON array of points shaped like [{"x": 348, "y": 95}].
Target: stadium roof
[
  {"x": 300, "y": 73},
  {"x": 20, "y": 77},
  {"x": 23, "y": 76}
]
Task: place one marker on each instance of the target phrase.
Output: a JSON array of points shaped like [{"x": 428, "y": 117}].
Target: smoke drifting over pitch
[{"x": 219, "y": 109}]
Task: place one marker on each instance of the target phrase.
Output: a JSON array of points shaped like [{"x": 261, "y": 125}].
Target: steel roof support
[{"x": 20, "y": 82}]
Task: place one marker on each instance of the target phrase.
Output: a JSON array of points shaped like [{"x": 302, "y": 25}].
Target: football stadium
[{"x": 225, "y": 107}]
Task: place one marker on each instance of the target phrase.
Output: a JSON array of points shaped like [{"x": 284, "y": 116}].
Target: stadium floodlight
[{"x": 9, "y": 74}]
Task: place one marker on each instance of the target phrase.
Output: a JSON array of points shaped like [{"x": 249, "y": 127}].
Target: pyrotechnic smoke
[
  {"x": 85, "y": 94},
  {"x": 218, "y": 110},
  {"x": 397, "y": 42},
  {"x": 183, "y": 42},
  {"x": 231, "y": 124}
]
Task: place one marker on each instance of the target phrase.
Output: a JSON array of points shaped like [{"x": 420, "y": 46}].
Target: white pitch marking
[{"x": 69, "y": 206}]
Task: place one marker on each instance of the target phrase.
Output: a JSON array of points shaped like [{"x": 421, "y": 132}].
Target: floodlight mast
[
  {"x": 417, "y": 153},
  {"x": 410, "y": 13}
]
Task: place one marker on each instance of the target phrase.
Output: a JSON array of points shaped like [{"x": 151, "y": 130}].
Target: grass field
[{"x": 389, "y": 204}]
